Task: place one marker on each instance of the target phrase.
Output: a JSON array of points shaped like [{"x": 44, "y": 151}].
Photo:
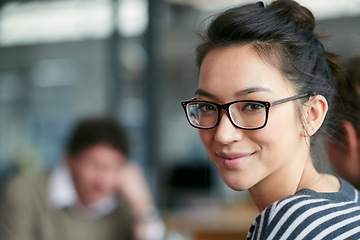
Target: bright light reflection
[
  {"x": 133, "y": 17},
  {"x": 54, "y": 21},
  {"x": 57, "y": 21}
]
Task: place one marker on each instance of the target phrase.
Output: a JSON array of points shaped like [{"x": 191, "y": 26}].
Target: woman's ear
[{"x": 315, "y": 112}]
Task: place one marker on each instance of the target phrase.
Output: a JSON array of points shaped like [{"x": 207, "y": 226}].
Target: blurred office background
[{"x": 134, "y": 59}]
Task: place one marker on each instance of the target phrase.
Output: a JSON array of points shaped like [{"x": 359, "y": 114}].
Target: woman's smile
[{"x": 233, "y": 160}]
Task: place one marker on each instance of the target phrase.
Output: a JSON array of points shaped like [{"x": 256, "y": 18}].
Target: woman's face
[{"x": 246, "y": 158}]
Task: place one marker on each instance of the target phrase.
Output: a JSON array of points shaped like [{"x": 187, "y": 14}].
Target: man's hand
[{"x": 134, "y": 189}]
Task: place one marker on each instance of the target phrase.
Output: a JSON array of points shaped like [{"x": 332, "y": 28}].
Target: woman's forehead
[{"x": 239, "y": 70}]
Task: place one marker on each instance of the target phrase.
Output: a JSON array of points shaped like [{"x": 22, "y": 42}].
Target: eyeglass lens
[{"x": 243, "y": 114}]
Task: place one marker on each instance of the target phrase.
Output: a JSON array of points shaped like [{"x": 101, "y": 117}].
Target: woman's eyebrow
[
  {"x": 240, "y": 93},
  {"x": 251, "y": 90},
  {"x": 204, "y": 93}
]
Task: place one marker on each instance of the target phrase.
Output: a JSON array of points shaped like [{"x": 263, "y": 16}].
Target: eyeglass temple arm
[{"x": 292, "y": 98}]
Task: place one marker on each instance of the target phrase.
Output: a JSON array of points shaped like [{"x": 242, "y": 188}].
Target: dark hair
[
  {"x": 282, "y": 34},
  {"x": 98, "y": 130},
  {"x": 347, "y": 104}
]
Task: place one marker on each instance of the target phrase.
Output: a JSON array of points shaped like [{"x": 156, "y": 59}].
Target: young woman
[{"x": 265, "y": 86}]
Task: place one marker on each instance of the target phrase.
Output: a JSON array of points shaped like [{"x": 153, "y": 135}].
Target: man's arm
[
  {"x": 133, "y": 188},
  {"x": 16, "y": 212}
]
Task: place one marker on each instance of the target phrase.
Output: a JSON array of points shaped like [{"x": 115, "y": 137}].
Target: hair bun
[{"x": 294, "y": 11}]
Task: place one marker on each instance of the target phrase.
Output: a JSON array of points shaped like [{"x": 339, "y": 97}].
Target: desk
[{"x": 216, "y": 221}]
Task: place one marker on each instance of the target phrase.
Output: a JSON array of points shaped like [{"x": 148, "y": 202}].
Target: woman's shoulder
[
  {"x": 309, "y": 214},
  {"x": 307, "y": 205},
  {"x": 347, "y": 193}
]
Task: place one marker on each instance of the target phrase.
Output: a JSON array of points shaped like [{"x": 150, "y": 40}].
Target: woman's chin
[
  {"x": 237, "y": 188},
  {"x": 237, "y": 184}
]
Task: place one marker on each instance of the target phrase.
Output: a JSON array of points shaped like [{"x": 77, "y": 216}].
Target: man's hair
[{"x": 97, "y": 130}]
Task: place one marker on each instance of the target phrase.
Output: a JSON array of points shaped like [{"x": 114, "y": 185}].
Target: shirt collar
[{"x": 62, "y": 194}]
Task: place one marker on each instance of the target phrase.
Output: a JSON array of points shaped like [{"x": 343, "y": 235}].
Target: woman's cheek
[{"x": 206, "y": 137}]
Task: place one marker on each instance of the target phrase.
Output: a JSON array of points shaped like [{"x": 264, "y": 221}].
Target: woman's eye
[
  {"x": 253, "y": 107},
  {"x": 204, "y": 107}
]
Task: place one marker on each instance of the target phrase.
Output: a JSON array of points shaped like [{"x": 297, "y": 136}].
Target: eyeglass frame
[{"x": 226, "y": 107}]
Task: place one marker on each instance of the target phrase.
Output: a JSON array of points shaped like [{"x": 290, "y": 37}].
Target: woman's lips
[{"x": 232, "y": 160}]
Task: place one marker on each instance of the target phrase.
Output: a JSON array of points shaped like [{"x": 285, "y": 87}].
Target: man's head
[
  {"x": 95, "y": 151},
  {"x": 344, "y": 144}
]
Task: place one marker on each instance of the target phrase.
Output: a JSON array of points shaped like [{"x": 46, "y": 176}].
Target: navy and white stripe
[{"x": 311, "y": 215}]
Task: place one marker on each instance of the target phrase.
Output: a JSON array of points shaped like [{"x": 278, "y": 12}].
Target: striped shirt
[{"x": 311, "y": 215}]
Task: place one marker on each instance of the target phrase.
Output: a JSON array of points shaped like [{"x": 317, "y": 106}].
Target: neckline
[{"x": 344, "y": 194}]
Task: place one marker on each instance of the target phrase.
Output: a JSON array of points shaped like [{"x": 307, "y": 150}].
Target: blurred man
[
  {"x": 344, "y": 145},
  {"x": 94, "y": 194}
]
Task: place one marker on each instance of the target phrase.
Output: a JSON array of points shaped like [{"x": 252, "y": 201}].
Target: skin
[
  {"x": 272, "y": 162},
  {"x": 95, "y": 172}
]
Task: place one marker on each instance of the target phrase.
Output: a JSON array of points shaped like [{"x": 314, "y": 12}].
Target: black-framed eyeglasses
[{"x": 244, "y": 114}]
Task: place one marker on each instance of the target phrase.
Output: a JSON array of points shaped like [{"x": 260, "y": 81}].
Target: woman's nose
[{"x": 226, "y": 132}]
